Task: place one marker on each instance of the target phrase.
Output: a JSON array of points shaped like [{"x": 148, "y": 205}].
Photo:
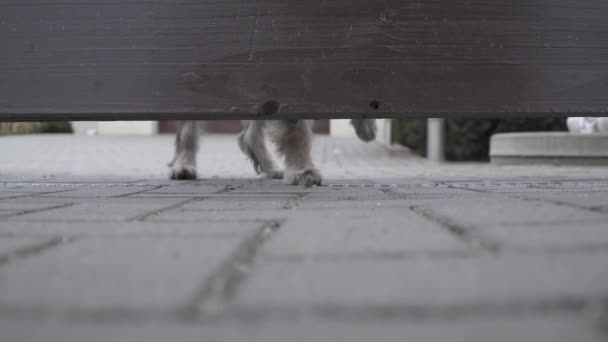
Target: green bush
[
  {"x": 56, "y": 127},
  {"x": 468, "y": 139},
  {"x": 7, "y": 128}
]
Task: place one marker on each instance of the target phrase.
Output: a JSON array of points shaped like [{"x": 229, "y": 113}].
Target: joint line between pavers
[
  {"x": 139, "y": 192},
  {"x": 31, "y": 211},
  {"x": 413, "y": 313},
  {"x": 393, "y": 194},
  {"x": 144, "y": 216},
  {"x": 34, "y": 249},
  {"x": 288, "y": 258},
  {"x": 35, "y": 194},
  {"x": 73, "y": 184},
  {"x": 51, "y": 192},
  {"x": 19, "y": 196},
  {"x": 295, "y": 258},
  {"x": 466, "y": 188},
  {"x": 464, "y": 233},
  {"x": 121, "y": 235},
  {"x": 220, "y": 287},
  {"x": 598, "y": 209}
]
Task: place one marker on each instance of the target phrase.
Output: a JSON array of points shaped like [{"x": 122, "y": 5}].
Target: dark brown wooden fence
[{"x": 179, "y": 59}]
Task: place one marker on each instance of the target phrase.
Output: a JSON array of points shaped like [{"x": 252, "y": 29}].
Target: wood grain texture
[{"x": 170, "y": 59}]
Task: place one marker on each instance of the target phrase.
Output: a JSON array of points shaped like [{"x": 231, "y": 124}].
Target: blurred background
[{"x": 465, "y": 139}]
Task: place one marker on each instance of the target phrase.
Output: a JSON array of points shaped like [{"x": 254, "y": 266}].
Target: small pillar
[{"x": 435, "y": 136}]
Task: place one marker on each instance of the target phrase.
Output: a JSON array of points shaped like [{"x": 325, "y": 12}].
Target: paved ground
[{"x": 95, "y": 245}]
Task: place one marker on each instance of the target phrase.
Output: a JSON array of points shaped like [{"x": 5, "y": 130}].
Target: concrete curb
[{"x": 561, "y": 148}]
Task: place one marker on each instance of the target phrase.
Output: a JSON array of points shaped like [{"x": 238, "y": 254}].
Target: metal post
[
  {"x": 435, "y": 139},
  {"x": 384, "y": 134}
]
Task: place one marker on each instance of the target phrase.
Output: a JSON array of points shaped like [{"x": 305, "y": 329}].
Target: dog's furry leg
[
  {"x": 365, "y": 128},
  {"x": 251, "y": 142},
  {"x": 183, "y": 165},
  {"x": 293, "y": 139}
]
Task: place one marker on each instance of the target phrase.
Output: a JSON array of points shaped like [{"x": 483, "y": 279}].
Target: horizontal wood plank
[{"x": 168, "y": 59}]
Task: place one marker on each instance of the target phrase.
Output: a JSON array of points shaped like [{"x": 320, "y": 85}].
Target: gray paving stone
[
  {"x": 429, "y": 188},
  {"x": 501, "y": 186},
  {"x": 432, "y": 283},
  {"x": 194, "y": 216},
  {"x": 203, "y": 229},
  {"x": 112, "y": 274},
  {"x": 340, "y": 194},
  {"x": 34, "y": 187},
  {"x": 12, "y": 194},
  {"x": 479, "y": 212},
  {"x": 100, "y": 190},
  {"x": 278, "y": 187},
  {"x": 165, "y": 181},
  {"x": 103, "y": 209},
  {"x": 356, "y": 204},
  {"x": 242, "y": 182},
  {"x": 60, "y": 180},
  {"x": 237, "y": 202},
  {"x": 12, "y": 244},
  {"x": 349, "y": 182},
  {"x": 272, "y": 190},
  {"x": 39, "y": 200},
  {"x": 42, "y": 186},
  {"x": 547, "y": 186},
  {"x": 18, "y": 206},
  {"x": 236, "y": 196},
  {"x": 188, "y": 189},
  {"x": 349, "y": 261},
  {"x": 584, "y": 199},
  {"x": 567, "y": 237},
  {"x": 548, "y": 328},
  {"x": 578, "y": 184},
  {"x": 302, "y": 210},
  {"x": 400, "y": 232}
]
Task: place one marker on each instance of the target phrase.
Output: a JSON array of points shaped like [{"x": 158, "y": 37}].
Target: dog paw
[
  {"x": 365, "y": 129},
  {"x": 182, "y": 172},
  {"x": 305, "y": 178}
]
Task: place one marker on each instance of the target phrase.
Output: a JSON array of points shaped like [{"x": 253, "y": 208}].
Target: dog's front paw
[
  {"x": 305, "y": 177},
  {"x": 182, "y": 172}
]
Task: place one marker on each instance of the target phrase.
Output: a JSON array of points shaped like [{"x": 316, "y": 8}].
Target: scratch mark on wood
[{"x": 254, "y": 34}]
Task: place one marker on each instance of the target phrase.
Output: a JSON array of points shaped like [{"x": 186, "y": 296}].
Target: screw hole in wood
[{"x": 374, "y": 104}]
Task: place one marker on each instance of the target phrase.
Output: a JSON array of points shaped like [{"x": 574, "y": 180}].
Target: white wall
[
  {"x": 116, "y": 127},
  {"x": 83, "y": 127},
  {"x": 343, "y": 128},
  {"x": 337, "y": 127}
]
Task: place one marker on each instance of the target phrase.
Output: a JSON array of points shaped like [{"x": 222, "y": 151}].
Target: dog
[{"x": 293, "y": 140}]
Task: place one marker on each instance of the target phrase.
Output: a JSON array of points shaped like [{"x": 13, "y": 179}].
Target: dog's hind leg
[
  {"x": 365, "y": 128},
  {"x": 293, "y": 139},
  {"x": 183, "y": 165},
  {"x": 251, "y": 142}
]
